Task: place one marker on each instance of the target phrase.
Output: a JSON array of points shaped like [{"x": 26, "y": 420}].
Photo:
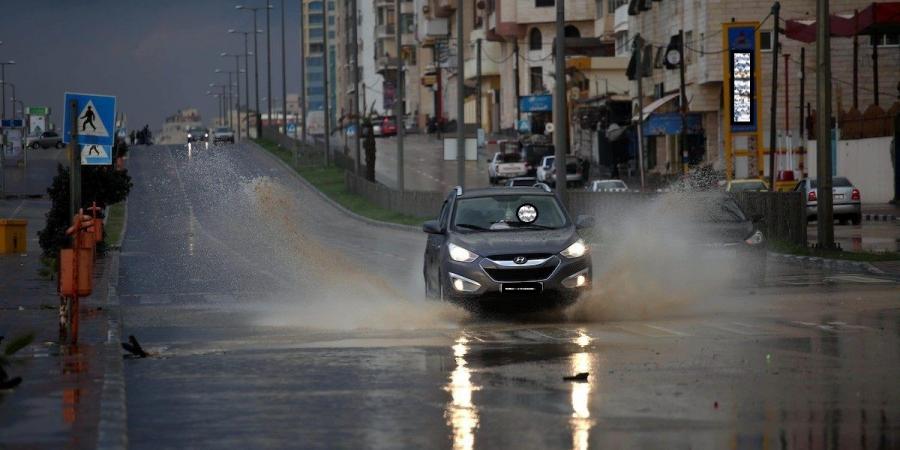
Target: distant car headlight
[
  {"x": 576, "y": 250},
  {"x": 189, "y": 135},
  {"x": 756, "y": 238},
  {"x": 460, "y": 254},
  {"x": 205, "y": 134}
]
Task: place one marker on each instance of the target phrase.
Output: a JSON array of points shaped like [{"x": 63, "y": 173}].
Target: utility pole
[
  {"x": 516, "y": 84},
  {"x": 802, "y": 122},
  {"x": 302, "y": 75},
  {"x": 638, "y": 48},
  {"x": 683, "y": 104},
  {"x": 398, "y": 103},
  {"x": 875, "y": 68},
  {"x": 355, "y": 61},
  {"x": 269, "y": 61},
  {"x": 284, "y": 122},
  {"x": 773, "y": 114},
  {"x": 460, "y": 99},
  {"x": 326, "y": 76},
  {"x": 560, "y": 111},
  {"x": 74, "y": 163},
  {"x": 237, "y": 100},
  {"x": 825, "y": 223},
  {"x": 478, "y": 83},
  {"x": 257, "y": 115},
  {"x": 3, "y": 65},
  {"x": 247, "y": 86}
]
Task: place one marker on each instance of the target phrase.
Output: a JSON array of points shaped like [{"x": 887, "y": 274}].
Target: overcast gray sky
[{"x": 155, "y": 56}]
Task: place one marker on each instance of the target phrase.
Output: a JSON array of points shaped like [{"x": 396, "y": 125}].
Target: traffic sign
[
  {"x": 291, "y": 128},
  {"x": 12, "y": 123},
  {"x": 96, "y": 119},
  {"x": 96, "y": 155},
  {"x": 38, "y": 111}
]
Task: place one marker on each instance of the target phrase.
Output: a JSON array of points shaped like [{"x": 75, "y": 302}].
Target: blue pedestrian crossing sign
[
  {"x": 96, "y": 126},
  {"x": 96, "y": 155},
  {"x": 291, "y": 128}
]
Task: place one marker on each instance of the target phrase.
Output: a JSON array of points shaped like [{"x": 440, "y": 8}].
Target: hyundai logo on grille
[{"x": 520, "y": 260}]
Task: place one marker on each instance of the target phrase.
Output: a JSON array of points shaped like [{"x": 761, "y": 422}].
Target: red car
[{"x": 388, "y": 127}]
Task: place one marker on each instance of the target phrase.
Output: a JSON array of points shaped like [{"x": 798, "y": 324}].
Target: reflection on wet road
[{"x": 283, "y": 324}]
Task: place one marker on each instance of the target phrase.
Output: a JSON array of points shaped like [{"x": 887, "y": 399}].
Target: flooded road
[{"x": 279, "y": 322}]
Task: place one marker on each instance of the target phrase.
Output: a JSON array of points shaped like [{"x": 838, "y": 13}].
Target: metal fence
[{"x": 423, "y": 204}]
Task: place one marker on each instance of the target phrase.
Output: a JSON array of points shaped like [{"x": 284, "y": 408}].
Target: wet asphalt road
[{"x": 278, "y": 322}]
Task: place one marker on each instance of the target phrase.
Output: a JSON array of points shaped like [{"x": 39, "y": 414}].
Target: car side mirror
[
  {"x": 432, "y": 227},
  {"x": 583, "y": 222}
]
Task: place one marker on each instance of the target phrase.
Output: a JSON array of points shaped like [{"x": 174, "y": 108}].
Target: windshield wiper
[
  {"x": 533, "y": 225},
  {"x": 472, "y": 227}
]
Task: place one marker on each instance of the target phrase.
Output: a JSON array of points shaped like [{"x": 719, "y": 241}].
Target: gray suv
[
  {"x": 513, "y": 247},
  {"x": 846, "y": 198}
]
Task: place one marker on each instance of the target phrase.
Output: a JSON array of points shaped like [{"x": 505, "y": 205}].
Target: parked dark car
[{"x": 513, "y": 247}]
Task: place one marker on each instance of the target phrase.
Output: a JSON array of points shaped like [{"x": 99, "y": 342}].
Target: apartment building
[
  {"x": 314, "y": 15},
  {"x": 702, "y": 21}
]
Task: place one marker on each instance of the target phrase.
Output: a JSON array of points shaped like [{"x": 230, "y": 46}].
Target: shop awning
[
  {"x": 655, "y": 105},
  {"x": 877, "y": 18}
]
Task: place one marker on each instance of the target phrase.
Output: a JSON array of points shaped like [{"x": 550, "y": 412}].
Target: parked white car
[
  {"x": 608, "y": 186},
  {"x": 504, "y": 166},
  {"x": 543, "y": 170}
]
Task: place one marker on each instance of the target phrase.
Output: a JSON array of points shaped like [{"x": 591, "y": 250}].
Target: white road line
[{"x": 667, "y": 330}]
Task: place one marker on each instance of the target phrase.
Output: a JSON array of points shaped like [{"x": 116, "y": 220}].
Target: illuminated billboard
[{"x": 741, "y": 75}]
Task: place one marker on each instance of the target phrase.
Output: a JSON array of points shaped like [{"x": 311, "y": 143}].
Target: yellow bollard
[{"x": 13, "y": 236}]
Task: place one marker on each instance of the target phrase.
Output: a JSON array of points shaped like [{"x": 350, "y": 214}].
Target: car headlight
[
  {"x": 189, "y": 135},
  {"x": 460, "y": 254},
  {"x": 206, "y": 135},
  {"x": 756, "y": 238},
  {"x": 576, "y": 250}
]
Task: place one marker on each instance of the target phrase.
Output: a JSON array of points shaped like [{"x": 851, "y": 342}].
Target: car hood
[{"x": 492, "y": 243}]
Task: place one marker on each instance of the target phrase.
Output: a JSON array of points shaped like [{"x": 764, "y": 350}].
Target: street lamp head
[
  {"x": 239, "y": 7},
  {"x": 218, "y": 70},
  {"x": 232, "y": 30},
  {"x": 223, "y": 54},
  {"x": 212, "y": 84}
]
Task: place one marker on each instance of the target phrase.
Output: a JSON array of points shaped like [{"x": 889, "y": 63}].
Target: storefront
[{"x": 539, "y": 110}]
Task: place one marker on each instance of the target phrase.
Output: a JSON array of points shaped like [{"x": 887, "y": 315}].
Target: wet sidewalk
[{"x": 58, "y": 404}]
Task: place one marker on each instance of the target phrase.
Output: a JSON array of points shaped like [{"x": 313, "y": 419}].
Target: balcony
[
  {"x": 621, "y": 19},
  {"x": 488, "y": 66},
  {"x": 383, "y": 63},
  {"x": 385, "y": 31}
]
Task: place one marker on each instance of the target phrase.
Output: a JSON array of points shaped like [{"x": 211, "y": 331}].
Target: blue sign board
[
  {"x": 742, "y": 66},
  {"x": 12, "y": 123},
  {"x": 536, "y": 103},
  {"x": 96, "y": 126},
  {"x": 291, "y": 128},
  {"x": 661, "y": 124},
  {"x": 524, "y": 126}
]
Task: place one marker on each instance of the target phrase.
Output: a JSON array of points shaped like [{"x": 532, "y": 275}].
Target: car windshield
[
  {"x": 509, "y": 158},
  {"x": 748, "y": 186},
  {"x": 523, "y": 182},
  {"x": 499, "y": 213},
  {"x": 835, "y": 182},
  {"x": 223, "y": 130}
]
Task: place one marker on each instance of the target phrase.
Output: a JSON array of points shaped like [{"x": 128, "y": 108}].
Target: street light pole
[
  {"x": 302, "y": 75},
  {"x": 269, "y": 62},
  {"x": 398, "y": 103},
  {"x": 283, "y": 77},
  {"x": 3, "y": 65},
  {"x": 825, "y": 222},
  {"x": 460, "y": 100},
  {"x": 327, "y": 74},
  {"x": 356, "y": 112},
  {"x": 560, "y": 125},
  {"x": 255, "y": 70}
]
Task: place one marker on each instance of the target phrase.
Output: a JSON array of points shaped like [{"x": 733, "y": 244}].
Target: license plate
[
  {"x": 838, "y": 196},
  {"x": 521, "y": 288}
]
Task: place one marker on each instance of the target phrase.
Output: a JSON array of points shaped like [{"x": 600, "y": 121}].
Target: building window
[
  {"x": 316, "y": 48},
  {"x": 315, "y": 19},
  {"x": 571, "y": 31},
  {"x": 886, "y": 40},
  {"x": 534, "y": 39},
  {"x": 407, "y": 23},
  {"x": 537, "y": 79},
  {"x": 599, "y": 8},
  {"x": 765, "y": 41},
  {"x": 543, "y": 3},
  {"x": 315, "y": 33}
]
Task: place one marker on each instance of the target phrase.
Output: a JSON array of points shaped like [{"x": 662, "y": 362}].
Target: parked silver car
[
  {"x": 47, "y": 139},
  {"x": 846, "y": 206},
  {"x": 610, "y": 185}
]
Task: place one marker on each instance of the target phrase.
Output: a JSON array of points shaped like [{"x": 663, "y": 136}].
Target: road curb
[
  {"x": 112, "y": 430},
  {"x": 330, "y": 201},
  {"x": 818, "y": 262}
]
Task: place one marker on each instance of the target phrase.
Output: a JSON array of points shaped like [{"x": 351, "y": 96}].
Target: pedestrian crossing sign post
[{"x": 95, "y": 126}]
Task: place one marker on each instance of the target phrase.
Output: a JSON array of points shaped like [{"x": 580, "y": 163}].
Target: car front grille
[
  {"x": 512, "y": 256},
  {"x": 515, "y": 275}
]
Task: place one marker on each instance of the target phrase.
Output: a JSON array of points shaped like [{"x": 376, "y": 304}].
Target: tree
[{"x": 101, "y": 184}]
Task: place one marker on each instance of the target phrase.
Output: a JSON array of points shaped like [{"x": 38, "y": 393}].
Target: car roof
[{"x": 486, "y": 192}]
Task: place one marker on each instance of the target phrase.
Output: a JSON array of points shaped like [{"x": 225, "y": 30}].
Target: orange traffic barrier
[{"x": 68, "y": 270}]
